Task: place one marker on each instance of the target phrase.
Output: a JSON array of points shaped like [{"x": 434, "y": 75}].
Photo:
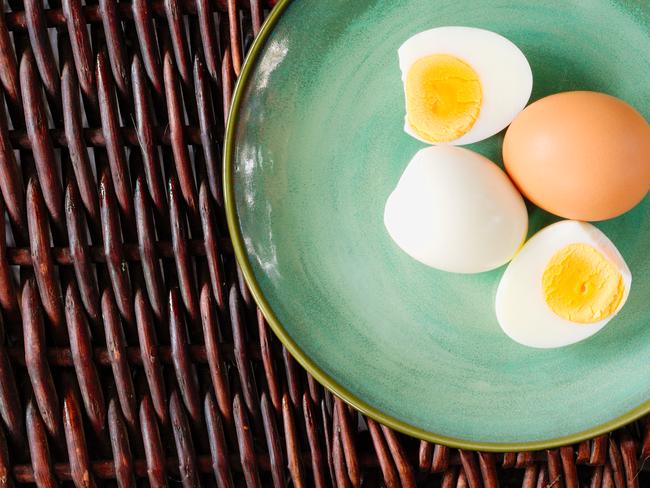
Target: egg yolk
[
  {"x": 582, "y": 285},
  {"x": 443, "y": 97}
]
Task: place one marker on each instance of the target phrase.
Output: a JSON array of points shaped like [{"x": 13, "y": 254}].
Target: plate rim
[{"x": 321, "y": 376}]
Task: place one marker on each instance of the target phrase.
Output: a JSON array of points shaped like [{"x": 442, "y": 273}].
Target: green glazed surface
[{"x": 314, "y": 147}]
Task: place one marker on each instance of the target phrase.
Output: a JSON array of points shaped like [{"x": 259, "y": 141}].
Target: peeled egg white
[
  {"x": 455, "y": 210},
  {"x": 504, "y": 72},
  {"x": 522, "y": 311}
]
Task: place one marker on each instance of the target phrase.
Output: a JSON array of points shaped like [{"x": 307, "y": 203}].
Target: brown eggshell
[{"x": 580, "y": 155}]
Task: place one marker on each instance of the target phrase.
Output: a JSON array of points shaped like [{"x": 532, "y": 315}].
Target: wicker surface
[{"x": 131, "y": 350}]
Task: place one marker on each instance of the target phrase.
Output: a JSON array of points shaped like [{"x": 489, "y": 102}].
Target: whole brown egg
[{"x": 580, "y": 155}]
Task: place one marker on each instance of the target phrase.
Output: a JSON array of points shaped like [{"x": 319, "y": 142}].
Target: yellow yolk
[
  {"x": 443, "y": 97},
  {"x": 582, "y": 285}
]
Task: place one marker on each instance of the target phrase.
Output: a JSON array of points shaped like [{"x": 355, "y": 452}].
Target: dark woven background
[{"x": 131, "y": 353}]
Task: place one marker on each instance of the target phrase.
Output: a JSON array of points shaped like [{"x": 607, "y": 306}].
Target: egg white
[
  {"x": 457, "y": 211},
  {"x": 504, "y": 72},
  {"x": 522, "y": 311}
]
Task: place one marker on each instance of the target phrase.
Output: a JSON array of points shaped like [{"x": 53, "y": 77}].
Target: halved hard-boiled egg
[
  {"x": 566, "y": 283},
  {"x": 455, "y": 210},
  {"x": 462, "y": 84}
]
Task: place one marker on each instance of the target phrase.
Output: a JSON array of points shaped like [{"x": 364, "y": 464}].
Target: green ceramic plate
[{"x": 314, "y": 147}]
